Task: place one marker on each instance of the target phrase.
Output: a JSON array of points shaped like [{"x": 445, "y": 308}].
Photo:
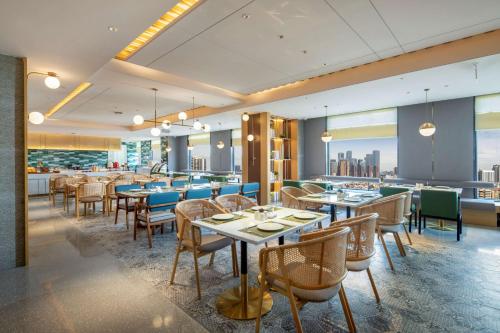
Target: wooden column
[{"x": 256, "y": 153}]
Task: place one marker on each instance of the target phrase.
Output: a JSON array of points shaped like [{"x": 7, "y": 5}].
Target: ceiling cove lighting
[
  {"x": 326, "y": 137},
  {"x": 77, "y": 91},
  {"x": 427, "y": 128},
  {"x": 166, "y": 20}
]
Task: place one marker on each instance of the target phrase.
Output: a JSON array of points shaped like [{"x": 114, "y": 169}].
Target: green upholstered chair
[
  {"x": 218, "y": 179},
  {"x": 293, "y": 183},
  {"x": 444, "y": 205}
]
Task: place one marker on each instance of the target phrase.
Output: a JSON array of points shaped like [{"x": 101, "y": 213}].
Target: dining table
[
  {"x": 242, "y": 302},
  {"x": 351, "y": 200}
]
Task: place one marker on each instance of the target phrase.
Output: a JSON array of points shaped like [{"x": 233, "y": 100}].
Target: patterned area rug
[{"x": 440, "y": 286}]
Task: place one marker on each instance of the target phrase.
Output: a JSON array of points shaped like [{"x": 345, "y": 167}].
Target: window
[
  {"x": 200, "y": 155},
  {"x": 237, "y": 150},
  {"x": 488, "y": 142},
  {"x": 364, "y": 144}
]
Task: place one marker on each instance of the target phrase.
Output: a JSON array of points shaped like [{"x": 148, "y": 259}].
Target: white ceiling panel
[
  {"x": 412, "y": 21},
  {"x": 362, "y": 17}
]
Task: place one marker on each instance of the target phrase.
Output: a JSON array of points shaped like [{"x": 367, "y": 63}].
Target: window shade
[
  {"x": 380, "y": 123},
  {"x": 488, "y": 112},
  {"x": 236, "y": 137},
  {"x": 199, "y": 139}
]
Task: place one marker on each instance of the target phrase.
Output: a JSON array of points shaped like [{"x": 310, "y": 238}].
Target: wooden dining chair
[
  {"x": 111, "y": 194},
  {"x": 312, "y": 188},
  {"x": 69, "y": 192},
  {"x": 311, "y": 270},
  {"x": 57, "y": 185},
  {"x": 190, "y": 238},
  {"x": 390, "y": 219},
  {"x": 156, "y": 211},
  {"x": 411, "y": 210},
  {"x": 128, "y": 206},
  {"x": 90, "y": 193}
]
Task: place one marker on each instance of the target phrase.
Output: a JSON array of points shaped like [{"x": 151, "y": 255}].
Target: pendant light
[
  {"x": 36, "y": 118},
  {"x": 250, "y": 136},
  {"x": 166, "y": 124},
  {"x": 196, "y": 124},
  {"x": 168, "y": 149},
  {"x": 138, "y": 119},
  {"x": 52, "y": 81},
  {"x": 182, "y": 115},
  {"x": 326, "y": 137},
  {"x": 155, "y": 131},
  {"x": 427, "y": 128},
  {"x": 220, "y": 144},
  {"x": 190, "y": 146},
  {"x": 245, "y": 117}
]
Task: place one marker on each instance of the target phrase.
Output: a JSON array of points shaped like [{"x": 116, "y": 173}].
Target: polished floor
[
  {"x": 74, "y": 285},
  {"x": 88, "y": 275}
]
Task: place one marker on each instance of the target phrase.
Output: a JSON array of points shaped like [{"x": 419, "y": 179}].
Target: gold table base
[
  {"x": 235, "y": 305},
  {"x": 440, "y": 226}
]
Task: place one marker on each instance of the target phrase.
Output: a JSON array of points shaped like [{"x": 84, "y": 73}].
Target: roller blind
[
  {"x": 381, "y": 123},
  {"x": 488, "y": 112},
  {"x": 200, "y": 139},
  {"x": 236, "y": 136}
]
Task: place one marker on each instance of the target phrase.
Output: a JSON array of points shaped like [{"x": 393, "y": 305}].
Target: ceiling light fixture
[
  {"x": 250, "y": 137},
  {"x": 206, "y": 128},
  {"x": 51, "y": 81},
  {"x": 77, "y": 91},
  {"x": 36, "y": 118},
  {"x": 427, "y": 128},
  {"x": 245, "y": 16},
  {"x": 220, "y": 144},
  {"x": 168, "y": 149},
  {"x": 183, "y": 115},
  {"x": 326, "y": 137},
  {"x": 138, "y": 119},
  {"x": 196, "y": 124},
  {"x": 112, "y": 28},
  {"x": 166, "y": 20},
  {"x": 155, "y": 131},
  {"x": 245, "y": 116},
  {"x": 190, "y": 146}
]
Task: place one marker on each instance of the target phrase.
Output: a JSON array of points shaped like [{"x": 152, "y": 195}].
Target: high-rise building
[
  {"x": 341, "y": 156},
  {"x": 496, "y": 170},
  {"x": 486, "y": 176},
  {"x": 348, "y": 155}
]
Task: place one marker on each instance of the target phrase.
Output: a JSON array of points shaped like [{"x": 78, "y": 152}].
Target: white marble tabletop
[
  {"x": 353, "y": 198},
  {"x": 233, "y": 229}
]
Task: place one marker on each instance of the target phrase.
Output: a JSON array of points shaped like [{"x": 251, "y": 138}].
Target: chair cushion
[
  {"x": 210, "y": 243},
  {"x": 390, "y": 227},
  {"x": 91, "y": 199},
  {"x": 157, "y": 216},
  {"x": 313, "y": 295},
  {"x": 358, "y": 265}
]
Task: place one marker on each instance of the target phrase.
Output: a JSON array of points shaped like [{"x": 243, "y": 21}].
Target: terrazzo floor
[{"x": 440, "y": 286}]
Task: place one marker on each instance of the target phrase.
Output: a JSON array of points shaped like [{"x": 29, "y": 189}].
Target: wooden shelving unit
[{"x": 283, "y": 154}]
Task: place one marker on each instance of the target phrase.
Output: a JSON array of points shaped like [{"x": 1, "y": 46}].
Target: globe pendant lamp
[
  {"x": 52, "y": 81},
  {"x": 36, "y": 118},
  {"x": 427, "y": 128},
  {"x": 326, "y": 137},
  {"x": 220, "y": 144}
]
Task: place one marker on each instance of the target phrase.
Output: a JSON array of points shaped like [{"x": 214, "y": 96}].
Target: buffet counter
[{"x": 38, "y": 183}]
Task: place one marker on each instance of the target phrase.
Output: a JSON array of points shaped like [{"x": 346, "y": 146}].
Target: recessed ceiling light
[
  {"x": 401, "y": 78},
  {"x": 324, "y": 64},
  {"x": 304, "y": 51},
  {"x": 118, "y": 112},
  {"x": 407, "y": 92},
  {"x": 281, "y": 36},
  {"x": 112, "y": 28},
  {"x": 446, "y": 86},
  {"x": 245, "y": 16}
]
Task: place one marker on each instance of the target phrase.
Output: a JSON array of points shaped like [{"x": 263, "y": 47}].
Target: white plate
[
  {"x": 315, "y": 195},
  {"x": 354, "y": 199},
  {"x": 270, "y": 226},
  {"x": 222, "y": 217},
  {"x": 304, "y": 216}
]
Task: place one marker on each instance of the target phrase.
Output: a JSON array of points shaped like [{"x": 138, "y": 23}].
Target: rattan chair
[
  {"x": 90, "y": 193},
  {"x": 56, "y": 185},
  {"x": 190, "y": 238},
  {"x": 290, "y": 195},
  {"x": 360, "y": 244},
  {"x": 128, "y": 177},
  {"x": 407, "y": 213},
  {"x": 312, "y": 188},
  {"x": 234, "y": 202},
  {"x": 390, "y": 210},
  {"x": 311, "y": 270}
]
